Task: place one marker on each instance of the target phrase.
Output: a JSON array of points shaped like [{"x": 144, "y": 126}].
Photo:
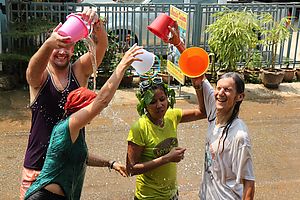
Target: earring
[{"x": 145, "y": 111}]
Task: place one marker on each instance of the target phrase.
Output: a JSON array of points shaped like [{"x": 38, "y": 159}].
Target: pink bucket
[
  {"x": 160, "y": 26},
  {"x": 75, "y": 27}
]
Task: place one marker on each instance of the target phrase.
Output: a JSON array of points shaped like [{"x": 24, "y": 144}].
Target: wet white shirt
[{"x": 223, "y": 172}]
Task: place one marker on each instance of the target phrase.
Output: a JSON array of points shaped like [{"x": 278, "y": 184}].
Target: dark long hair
[{"x": 240, "y": 88}]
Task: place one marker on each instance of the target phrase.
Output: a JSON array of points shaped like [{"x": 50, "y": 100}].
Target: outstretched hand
[
  {"x": 129, "y": 56},
  {"x": 89, "y": 15},
  {"x": 121, "y": 169}
]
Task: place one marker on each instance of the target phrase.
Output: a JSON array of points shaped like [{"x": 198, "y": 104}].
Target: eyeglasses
[{"x": 147, "y": 84}]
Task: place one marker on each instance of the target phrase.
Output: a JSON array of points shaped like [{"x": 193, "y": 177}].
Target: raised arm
[
  {"x": 134, "y": 166},
  {"x": 175, "y": 39},
  {"x": 36, "y": 71},
  {"x": 189, "y": 115},
  {"x": 82, "y": 117}
]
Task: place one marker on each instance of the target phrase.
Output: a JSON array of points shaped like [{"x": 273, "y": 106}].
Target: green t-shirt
[
  {"x": 159, "y": 183},
  {"x": 65, "y": 163}
]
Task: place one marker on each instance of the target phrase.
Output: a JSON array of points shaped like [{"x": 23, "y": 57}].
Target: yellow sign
[
  {"x": 173, "y": 53},
  {"x": 175, "y": 72}
]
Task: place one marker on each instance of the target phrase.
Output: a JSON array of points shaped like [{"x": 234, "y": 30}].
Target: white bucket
[{"x": 147, "y": 62}]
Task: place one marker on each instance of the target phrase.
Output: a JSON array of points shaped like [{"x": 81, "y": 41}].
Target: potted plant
[
  {"x": 167, "y": 78},
  {"x": 232, "y": 36},
  {"x": 298, "y": 74},
  {"x": 274, "y": 33},
  {"x": 289, "y": 73},
  {"x": 252, "y": 67}
]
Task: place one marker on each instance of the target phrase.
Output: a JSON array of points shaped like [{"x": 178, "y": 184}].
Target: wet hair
[
  {"x": 146, "y": 93},
  {"x": 240, "y": 88}
]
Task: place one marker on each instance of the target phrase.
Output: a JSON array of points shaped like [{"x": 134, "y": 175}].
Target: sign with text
[{"x": 173, "y": 53}]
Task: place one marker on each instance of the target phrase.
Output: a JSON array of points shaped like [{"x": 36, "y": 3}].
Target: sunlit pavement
[{"x": 272, "y": 117}]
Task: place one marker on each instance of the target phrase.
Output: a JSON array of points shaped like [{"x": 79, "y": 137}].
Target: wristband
[
  {"x": 177, "y": 45},
  {"x": 199, "y": 87},
  {"x": 111, "y": 165}
]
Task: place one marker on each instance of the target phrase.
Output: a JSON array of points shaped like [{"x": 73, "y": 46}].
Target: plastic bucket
[
  {"x": 160, "y": 26},
  {"x": 75, "y": 27},
  {"x": 147, "y": 62},
  {"x": 194, "y": 62}
]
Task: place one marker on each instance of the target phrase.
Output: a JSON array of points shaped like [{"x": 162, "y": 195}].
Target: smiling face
[
  {"x": 60, "y": 58},
  {"x": 159, "y": 104},
  {"x": 226, "y": 95}
]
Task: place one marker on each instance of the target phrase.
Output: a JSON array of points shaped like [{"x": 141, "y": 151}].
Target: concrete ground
[{"x": 272, "y": 117}]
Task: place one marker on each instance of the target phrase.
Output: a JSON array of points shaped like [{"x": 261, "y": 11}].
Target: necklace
[{"x": 60, "y": 81}]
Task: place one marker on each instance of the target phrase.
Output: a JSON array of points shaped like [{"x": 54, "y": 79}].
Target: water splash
[
  {"x": 90, "y": 44},
  {"x": 118, "y": 122}
]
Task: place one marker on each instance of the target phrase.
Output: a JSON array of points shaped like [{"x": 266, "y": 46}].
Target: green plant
[
  {"x": 13, "y": 57},
  {"x": 25, "y": 44},
  {"x": 24, "y": 33},
  {"x": 112, "y": 55},
  {"x": 163, "y": 64},
  {"x": 32, "y": 27},
  {"x": 275, "y": 32},
  {"x": 233, "y": 36},
  {"x": 255, "y": 61},
  {"x": 79, "y": 49}
]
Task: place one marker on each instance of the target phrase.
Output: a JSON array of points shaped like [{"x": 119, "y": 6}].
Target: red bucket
[{"x": 160, "y": 26}]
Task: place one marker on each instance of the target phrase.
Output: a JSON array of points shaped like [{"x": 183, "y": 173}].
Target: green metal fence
[{"x": 133, "y": 19}]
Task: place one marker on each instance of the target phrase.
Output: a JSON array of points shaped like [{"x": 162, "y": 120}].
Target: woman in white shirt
[{"x": 228, "y": 167}]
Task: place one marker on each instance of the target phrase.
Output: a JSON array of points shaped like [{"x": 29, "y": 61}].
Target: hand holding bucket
[
  {"x": 194, "y": 62},
  {"x": 147, "y": 62},
  {"x": 160, "y": 26},
  {"x": 75, "y": 27}
]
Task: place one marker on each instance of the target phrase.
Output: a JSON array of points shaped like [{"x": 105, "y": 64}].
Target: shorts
[
  {"x": 44, "y": 194},
  {"x": 28, "y": 177}
]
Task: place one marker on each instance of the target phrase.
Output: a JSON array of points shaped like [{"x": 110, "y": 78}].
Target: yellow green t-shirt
[{"x": 159, "y": 183}]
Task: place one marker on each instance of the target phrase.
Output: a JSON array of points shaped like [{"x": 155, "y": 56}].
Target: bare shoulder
[
  {"x": 80, "y": 73},
  {"x": 34, "y": 90}
]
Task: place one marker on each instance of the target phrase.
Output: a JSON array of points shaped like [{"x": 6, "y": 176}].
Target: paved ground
[{"x": 271, "y": 115}]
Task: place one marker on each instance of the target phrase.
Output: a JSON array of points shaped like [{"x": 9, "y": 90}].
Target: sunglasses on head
[{"x": 147, "y": 84}]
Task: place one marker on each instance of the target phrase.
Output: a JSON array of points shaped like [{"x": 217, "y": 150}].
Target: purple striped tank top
[{"x": 47, "y": 109}]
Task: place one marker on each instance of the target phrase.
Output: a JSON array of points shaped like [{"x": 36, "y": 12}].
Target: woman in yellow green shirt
[{"x": 153, "y": 149}]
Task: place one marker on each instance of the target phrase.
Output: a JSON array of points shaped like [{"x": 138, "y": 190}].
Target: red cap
[{"x": 79, "y": 98}]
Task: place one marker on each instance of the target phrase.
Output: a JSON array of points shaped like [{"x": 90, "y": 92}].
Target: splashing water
[
  {"x": 92, "y": 49},
  {"x": 118, "y": 122}
]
